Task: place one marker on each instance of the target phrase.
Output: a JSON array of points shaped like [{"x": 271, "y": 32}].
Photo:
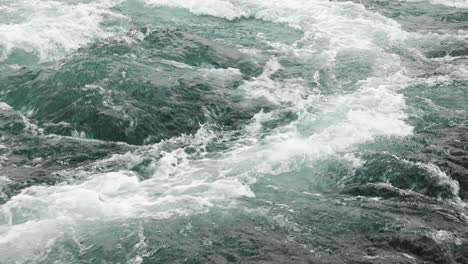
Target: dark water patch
[
  {"x": 425, "y": 248},
  {"x": 444, "y": 103},
  {"x": 30, "y": 158},
  {"x": 136, "y": 92},
  {"x": 279, "y": 118},
  {"x": 405, "y": 174},
  {"x": 451, "y": 51},
  {"x": 448, "y": 150},
  {"x": 439, "y": 146},
  {"x": 439, "y": 114},
  {"x": 44, "y": 158},
  {"x": 181, "y": 46}
]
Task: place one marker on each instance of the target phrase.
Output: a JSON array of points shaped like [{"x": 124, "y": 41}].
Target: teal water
[{"x": 233, "y": 131}]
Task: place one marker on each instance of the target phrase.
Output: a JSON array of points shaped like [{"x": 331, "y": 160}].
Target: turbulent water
[{"x": 233, "y": 131}]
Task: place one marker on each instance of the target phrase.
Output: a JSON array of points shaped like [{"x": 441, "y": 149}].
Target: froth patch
[
  {"x": 449, "y": 3},
  {"x": 217, "y": 8},
  {"x": 55, "y": 29}
]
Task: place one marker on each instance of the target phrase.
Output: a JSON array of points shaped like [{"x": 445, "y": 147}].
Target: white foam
[
  {"x": 4, "y": 180},
  {"x": 327, "y": 125},
  {"x": 7, "y": 9},
  {"x": 52, "y": 29},
  {"x": 219, "y": 77},
  {"x": 449, "y": 3},
  {"x": 444, "y": 236},
  {"x": 110, "y": 196},
  {"x": 176, "y": 64},
  {"x": 218, "y": 8},
  {"x": 339, "y": 122},
  {"x": 6, "y": 107},
  {"x": 452, "y": 3}
]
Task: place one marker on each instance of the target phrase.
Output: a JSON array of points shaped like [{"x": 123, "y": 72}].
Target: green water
[{"x": 233, "y": 131}]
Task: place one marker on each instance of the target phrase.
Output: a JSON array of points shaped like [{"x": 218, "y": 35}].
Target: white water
[
  {"x": 53, "y": 29},
  {"x": 450, "y": 3},
  {"x": 181, "y": 185}
]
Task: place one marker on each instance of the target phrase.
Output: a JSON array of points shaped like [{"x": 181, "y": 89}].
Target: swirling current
[{"x": 233, "y": 131}]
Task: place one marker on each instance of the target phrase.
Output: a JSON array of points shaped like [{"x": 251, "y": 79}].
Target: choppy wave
[
  {"x": 53, "y": 29},
  {"x": 223, "y": 119}
]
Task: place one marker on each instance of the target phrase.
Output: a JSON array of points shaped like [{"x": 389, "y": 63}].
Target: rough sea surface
[{"x": 233, "y": 131}]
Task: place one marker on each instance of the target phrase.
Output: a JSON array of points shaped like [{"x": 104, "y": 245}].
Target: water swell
[{"x": 284, "y": 138}]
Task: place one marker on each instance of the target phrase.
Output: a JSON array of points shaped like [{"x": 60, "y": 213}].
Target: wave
[
  {"x": 50, "y": 30},
  {"x": 348, "y": 96},
  {"x": 450, "y": 3}
]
